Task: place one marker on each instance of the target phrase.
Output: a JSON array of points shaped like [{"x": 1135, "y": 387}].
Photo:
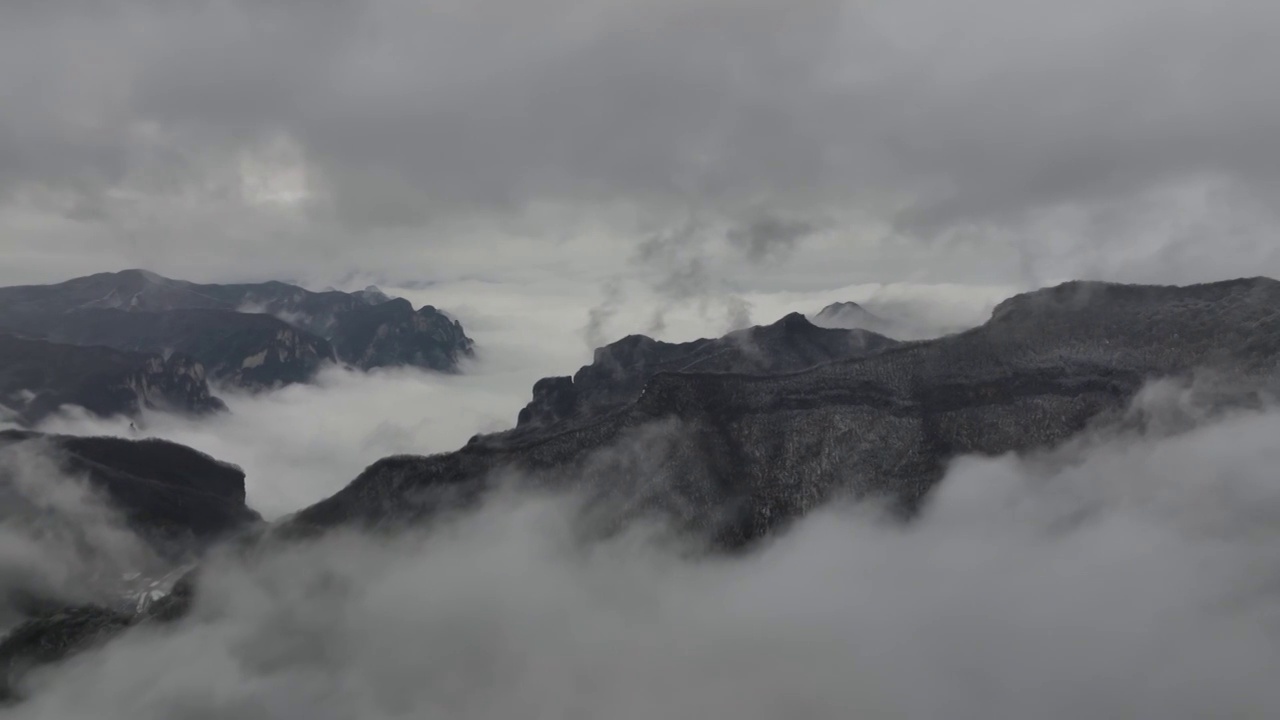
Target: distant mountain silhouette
[{"x": 256, "y": 336}]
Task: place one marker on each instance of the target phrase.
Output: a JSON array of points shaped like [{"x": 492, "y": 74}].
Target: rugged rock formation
[
  {"x": 227, "y": 325},
  {"x": 620, "y": 370},
  {"x": 733, "y": 456},
  {"x": 176, "y": 498},
  {"x": 37, "y": 377},
  {"x": 392, "y": 334},
  {"x": 247, "y": 350}
]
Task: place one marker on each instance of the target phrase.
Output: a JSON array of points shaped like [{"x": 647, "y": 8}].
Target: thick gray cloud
[
  {"x": 1129, "y": 576},
  {"x": 1084, "y": 138}
]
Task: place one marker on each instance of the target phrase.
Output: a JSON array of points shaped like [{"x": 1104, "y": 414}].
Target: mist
[
  {"x": 1123, "y": 575},
  {"x": 60, "y": 541},
  {"x": 302, "y": 443},
  {"x": 559, "y": 174}
]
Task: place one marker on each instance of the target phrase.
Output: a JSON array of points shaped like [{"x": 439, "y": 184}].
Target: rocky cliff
[
  {"x": 37, "y": 377},
  {"x": 175, "y": 500},
  {"x": 732, "y": 456},
  {"x": 252, "y": 335},
  {"x": 620, "y": 370},
  {"x": 246, "y": 350},
  {"x": 393, "y": 334}
]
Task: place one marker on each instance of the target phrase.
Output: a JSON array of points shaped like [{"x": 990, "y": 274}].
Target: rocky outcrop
[
  {"x": 252, "y": 351},
  {"x": 392, "y": 334},
  {"x": 176, "y": 498},
  {"x": 38, "y": 377},
  {"x": 733, "y": 456},
  {"x": 178, "y": 501},
  {"x": 620, "y": 370},
  {"x": 226, "y": 325}
]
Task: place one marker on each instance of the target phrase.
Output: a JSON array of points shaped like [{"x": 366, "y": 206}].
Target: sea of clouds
[{"x": 1124, "y": 575}]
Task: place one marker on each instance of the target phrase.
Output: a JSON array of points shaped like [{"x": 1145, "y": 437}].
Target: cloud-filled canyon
[{"x": 639, "y": 358}]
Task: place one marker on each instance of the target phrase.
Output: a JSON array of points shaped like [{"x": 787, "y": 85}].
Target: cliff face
[
  {"x": 392, "y": 334},
  {"x": 620, "y": 370},
  {"x": 246, "y": 350},
  {"x": 37, "y": 377},
  {"x": 176, "y": 498},
  {"x": 732, "y": 456},
  {"x": 252, "y": 335}
]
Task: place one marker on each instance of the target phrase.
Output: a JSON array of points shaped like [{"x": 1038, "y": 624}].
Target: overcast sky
[{"x": 808, "y": 143}]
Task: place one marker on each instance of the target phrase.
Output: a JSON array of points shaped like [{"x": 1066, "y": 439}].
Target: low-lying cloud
[
  {"x": 1122, "y": 576},
  {"x": 60, "y": 541},
  {"x": 302, "y": 443}
]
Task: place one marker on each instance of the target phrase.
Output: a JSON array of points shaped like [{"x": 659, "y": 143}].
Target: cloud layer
[
  {"x": 304, "y": 442},
  {"x": 1128, "y": 576},
  {"x": 1004, "y": 141},
  {"x": 560, "y": 173}
]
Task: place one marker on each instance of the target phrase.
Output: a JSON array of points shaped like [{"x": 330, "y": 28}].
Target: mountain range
[
  {"x": 731, "y": 440},
  {"x": 250, "y": 336}
]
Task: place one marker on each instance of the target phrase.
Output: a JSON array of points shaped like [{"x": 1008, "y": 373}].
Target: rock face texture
[
  {"x": 392, "y": 334},
  {"x": 251, "y": 335},
  {"x": 620, "y": 370},
  {"x": 38, "y": 377},
  {"x": 733, "y": 456}
]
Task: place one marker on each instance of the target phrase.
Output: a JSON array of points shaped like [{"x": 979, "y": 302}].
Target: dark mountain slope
[
  {"x": 732, "y": 455},
  {"x": 619, "y": 370},
  {"x": 253, "y": 351},
  {"x": 177, "y": 498},
  {"x": 37, "y": 377},
  {"x": 426, "y": 338},
  {"x": 391, "y": 334}
]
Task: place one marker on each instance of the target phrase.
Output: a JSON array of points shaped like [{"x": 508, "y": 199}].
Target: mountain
[
  {"x": 620, "y": 370},
  {"x": 852, "y": 316},
  {"x": 178, "y": 500},
  {"x": 392, "y": 334},
  {"x": 366, "y": 329},
  {"x": 37, "y": 377},
  {"x": 247, "y": 350},
  {"x": 733, "y": 456}
]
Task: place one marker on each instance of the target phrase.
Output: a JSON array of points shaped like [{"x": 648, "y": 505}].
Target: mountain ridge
[
  {"x": 1049, "y": 373},
  {"x": 251, "y": 335},
  {"x": 38, "y": 377},
  {"x": 733, "y": 458}
]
